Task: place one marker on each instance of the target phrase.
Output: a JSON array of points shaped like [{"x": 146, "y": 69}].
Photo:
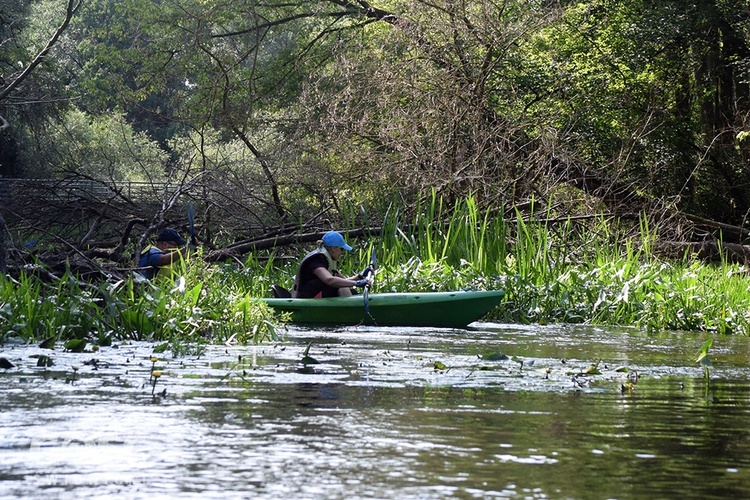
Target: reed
[
  {"x": 203, "y": 305},
  {"x": 557, "y": 271},
  {"x": 552, "y": 270}
]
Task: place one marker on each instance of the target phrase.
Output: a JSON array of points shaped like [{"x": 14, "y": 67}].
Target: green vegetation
[
  {"x": 205, "y": 304},
  {"x": 548, "y": 131},
  {"x": 270, "y": 114},
  {"x": 562, "y": 272},
  {"x": 552, "y": 270}
]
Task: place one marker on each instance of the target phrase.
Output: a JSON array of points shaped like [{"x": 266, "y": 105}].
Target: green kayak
[{"x": 436, "y": 309}]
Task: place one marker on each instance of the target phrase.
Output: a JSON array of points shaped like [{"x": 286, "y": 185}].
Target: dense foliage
[
  {"x": 281, "y": 117},
  {"x": 274, "y": 112},
  {"x": 554, "y": 272}
]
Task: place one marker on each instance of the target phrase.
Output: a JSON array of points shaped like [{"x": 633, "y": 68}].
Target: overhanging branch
[{"x": 70, "y": 10}]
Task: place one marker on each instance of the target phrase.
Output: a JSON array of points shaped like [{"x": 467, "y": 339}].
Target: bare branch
[{"x": 70, "y": 10}]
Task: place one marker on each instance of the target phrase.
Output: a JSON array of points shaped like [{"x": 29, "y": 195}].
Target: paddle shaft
[
  {"x": 366, "y": 293},
  {"x": 191, "y": 219}
]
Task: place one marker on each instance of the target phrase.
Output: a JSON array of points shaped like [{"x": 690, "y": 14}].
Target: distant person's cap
[
  {"x": 334, "y": 239},
  {"x": 171, "y": 236}
]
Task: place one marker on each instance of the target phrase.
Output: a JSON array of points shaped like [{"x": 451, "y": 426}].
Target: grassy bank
[
  {"x": 551, "y": 272},
  {"x": 560, "y": 271},
  {"x": 205, "y": 304}
]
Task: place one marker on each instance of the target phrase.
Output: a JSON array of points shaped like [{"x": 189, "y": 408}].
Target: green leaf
[
  {"x": 439, "y": 365},
  {"x": 48, "y": 343},
  {"x": 592, "y": 370},
  {"x": 75, "y": 345},
  {"x": 309, "y": 360},
  {"x": 704, "y": 350},
  {"x": 44, "y": 361},
  {"x": 161, "y": 348},
  {"x": 496, "y": 356}
]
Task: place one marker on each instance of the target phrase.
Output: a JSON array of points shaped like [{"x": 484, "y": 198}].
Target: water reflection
[{"x": 385, "y": 413}]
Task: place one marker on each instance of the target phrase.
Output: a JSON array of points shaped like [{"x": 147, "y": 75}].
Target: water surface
[{"x": 493, "y": 411}]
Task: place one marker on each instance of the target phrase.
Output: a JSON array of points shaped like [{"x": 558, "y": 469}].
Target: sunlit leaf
[
  {"x": 704, "y": 350},
  {"x": 592, "y": 370},
  {"x": 161, "y": 348},
  {"x": 75, "y": 345}
]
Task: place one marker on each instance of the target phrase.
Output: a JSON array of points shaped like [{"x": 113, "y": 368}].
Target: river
[{"x": 494, "y": 411}]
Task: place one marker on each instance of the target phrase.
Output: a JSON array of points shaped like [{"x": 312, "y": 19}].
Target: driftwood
[
  {"x": 710, "y": 251},
  {"x": 728, "y": 232},
  {"x": 107, "y": 259}
]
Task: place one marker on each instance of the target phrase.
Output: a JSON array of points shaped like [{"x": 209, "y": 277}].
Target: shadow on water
[{"x": 493, "y": 411}]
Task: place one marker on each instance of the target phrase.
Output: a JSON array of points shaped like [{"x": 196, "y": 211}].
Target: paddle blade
[{"x": 191, "y": 218}]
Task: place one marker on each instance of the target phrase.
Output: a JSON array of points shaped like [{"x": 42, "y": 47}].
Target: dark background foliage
[{"x": 277, "y": 117}]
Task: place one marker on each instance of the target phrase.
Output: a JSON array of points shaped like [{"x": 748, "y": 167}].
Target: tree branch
[{"x": 70, "y": 10}]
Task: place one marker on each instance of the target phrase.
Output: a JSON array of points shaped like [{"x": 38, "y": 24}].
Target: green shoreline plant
[
  {"x": 203, "y": 305},
  {"x": 552, "y": 270},
  {"x": 560, "y": 272}
]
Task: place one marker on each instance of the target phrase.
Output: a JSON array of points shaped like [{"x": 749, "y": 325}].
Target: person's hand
[{"x": 362, "y": 283}]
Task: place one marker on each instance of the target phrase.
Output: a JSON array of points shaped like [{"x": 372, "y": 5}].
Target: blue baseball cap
[
  {"x": 334, "y": 239},
  {"x": 170, "y": 235}
]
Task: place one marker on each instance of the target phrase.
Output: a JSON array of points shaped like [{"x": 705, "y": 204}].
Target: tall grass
[
  {"x": 552, "y": 270},
  {"x": 204, "y": 304},
  {"x": 558, "y": 271}
]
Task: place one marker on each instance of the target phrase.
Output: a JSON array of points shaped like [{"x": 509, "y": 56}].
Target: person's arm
[
  {"x": 167, "y": 258},
  {"x": 157, "y": 259},
  {"x": 329, "y": 279}
]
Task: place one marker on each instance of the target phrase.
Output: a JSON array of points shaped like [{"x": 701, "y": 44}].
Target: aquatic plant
[
  {"x": 553, "y": 269},
  {"x": 201, "y": 306}
]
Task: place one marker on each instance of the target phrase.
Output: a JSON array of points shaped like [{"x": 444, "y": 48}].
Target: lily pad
[
  {"x": 592, "y": 370},
  {"x": 496, "y": 356},
  {"x": 161, "y": 348},
  {"x": 309, "y": 360},
  {"x": 48, "y": 343},
  {"x": 44, "y": 361},
  {"x": 75, "y": 345}
]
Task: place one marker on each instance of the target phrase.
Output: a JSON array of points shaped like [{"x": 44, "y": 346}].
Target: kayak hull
[{"x": 431, "y": 309}]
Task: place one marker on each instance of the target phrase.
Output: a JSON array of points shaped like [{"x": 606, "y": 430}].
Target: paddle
[
  {"x": 191, "y": 220},
  {"x": 366, "y": 293}
]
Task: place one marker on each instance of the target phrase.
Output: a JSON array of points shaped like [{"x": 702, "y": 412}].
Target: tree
[
  {"x": 17, "y": 88},
  {"x": 651, "y": 94}
]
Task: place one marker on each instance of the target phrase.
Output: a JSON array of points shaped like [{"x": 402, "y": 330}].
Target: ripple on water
[{"x": 495, "y": 410}]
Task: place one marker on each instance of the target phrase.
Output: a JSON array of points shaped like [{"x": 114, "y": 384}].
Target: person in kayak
[
  {"x": 157, "y": 259},
  {"x": 318, "y": 274}
]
